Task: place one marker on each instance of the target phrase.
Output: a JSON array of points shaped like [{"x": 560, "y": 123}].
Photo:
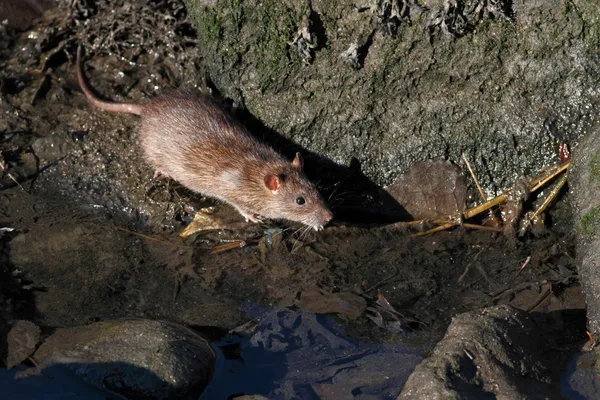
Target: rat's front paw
[{"x": 251, "y": 217}]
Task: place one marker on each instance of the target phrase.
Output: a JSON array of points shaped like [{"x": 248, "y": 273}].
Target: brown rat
[{"x": 190, "y": 138}]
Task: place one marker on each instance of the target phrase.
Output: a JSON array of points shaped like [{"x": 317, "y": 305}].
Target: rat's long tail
[{"x": 95, "y": 100}]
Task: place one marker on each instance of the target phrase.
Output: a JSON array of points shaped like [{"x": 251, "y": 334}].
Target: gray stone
[
  {"x": 135, "y": 358},
  {"x": 496, "y": 353},
  {"x": 49, "y": 148}
]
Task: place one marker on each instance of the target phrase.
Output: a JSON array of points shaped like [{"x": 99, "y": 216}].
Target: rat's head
[{"x": 292, "y": 196}]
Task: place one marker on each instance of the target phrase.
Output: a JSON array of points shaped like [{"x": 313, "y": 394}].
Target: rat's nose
[{"x": 327, "y": 216}]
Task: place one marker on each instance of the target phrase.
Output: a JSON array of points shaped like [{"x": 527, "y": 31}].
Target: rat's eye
[{"x": 300, "y": 200}]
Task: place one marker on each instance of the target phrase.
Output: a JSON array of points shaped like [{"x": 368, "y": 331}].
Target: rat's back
[{"x": 189, "y": 137}]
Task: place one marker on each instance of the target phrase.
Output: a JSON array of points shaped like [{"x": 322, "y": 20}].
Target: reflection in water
[{"x": 296, "y": 354}]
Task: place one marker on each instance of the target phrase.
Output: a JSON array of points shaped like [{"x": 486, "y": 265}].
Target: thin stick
[
  {"x": 525, "y": 263},
  {"x": 228, "y": 246},
  {"x": 483, "y": 196},
  {"x": 551, "y": 196},
  {"x": 11, "y": 177},
  {"x": 543, "y": 297},
  {"x": 542, "y": 181},
  {"x": 436, "y": 229},
  {"x": 471, "y": 212},
  {"x": 469, "y": 265},
  {"x": 449, "y": 221},
  {"x": 35, "y": 363},
  {"x": 483, "y": 228}
]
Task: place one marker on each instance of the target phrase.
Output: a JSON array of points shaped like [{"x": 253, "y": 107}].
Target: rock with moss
[
  {"x": 585, "y": 183},
  {"x": 392, "y": 83}
]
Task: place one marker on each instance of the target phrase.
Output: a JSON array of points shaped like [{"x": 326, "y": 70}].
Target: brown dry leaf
[
  {"x": 431, "y": 189},
  {"x": 345, "y": 303},
  {"x": 21, "y": 341},
  {"x": 202, "y": 222}
]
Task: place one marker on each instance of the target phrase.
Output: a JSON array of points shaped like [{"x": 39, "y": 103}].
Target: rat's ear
[
  {"x": 273, "y": 183},
  {"x": 298, "y": 161}
]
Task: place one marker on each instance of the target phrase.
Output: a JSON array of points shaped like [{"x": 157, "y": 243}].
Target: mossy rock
[
  {"x": 584, "y": 182},
  {"x": 506, "y": 90}
]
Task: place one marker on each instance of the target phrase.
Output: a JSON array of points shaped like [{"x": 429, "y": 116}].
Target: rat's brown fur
[{"x": 190, "y": 138}]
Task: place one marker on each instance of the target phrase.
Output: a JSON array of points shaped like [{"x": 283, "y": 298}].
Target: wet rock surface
[
  {"x": 136, "y": 358},
  {"x": 498, "y": 353},
  {"x": 585, "y": 180}
]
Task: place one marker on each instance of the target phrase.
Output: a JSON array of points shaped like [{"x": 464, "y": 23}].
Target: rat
[{"x": 189, "y": 137}]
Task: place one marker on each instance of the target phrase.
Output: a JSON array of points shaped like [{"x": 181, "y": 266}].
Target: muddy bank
[{"x": 84, "y": 268}]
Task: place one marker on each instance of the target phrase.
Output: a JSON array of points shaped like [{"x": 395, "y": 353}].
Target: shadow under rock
[{"x": 351, "y": 195}]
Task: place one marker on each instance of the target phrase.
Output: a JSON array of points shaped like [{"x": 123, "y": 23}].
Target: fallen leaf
[
  {"x": 21, "y": 340},
  {"x": 345, "y": 303}
]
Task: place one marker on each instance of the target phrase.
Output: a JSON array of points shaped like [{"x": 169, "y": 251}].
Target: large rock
[
  {"x": 585, "y": 181},
  {"x": 494, "y": 353},
  {"x": 136, "y": 358},
  {"x": 369, "y": 82}
]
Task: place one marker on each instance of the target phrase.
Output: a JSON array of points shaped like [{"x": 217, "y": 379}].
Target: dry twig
[{"x": 453, "y": 220}]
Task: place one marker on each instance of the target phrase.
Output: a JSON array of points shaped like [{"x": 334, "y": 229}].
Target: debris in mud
[
  {"x": 389, "y": 14},
  {"x": 4, "y": 170},
  {"x": 176, "y": 256},
  {"x": 130, "y": 29},
  {"x": 384, "y": 315},
  {"x": 236, "y": 244}
]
